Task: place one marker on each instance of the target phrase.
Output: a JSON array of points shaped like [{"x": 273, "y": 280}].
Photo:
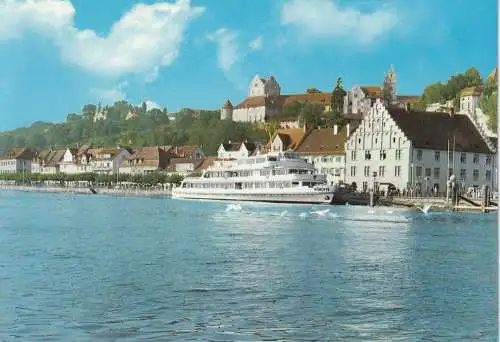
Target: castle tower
[
  {"x": 390, "y": 83},
  {"x": 226, "y": 112}
]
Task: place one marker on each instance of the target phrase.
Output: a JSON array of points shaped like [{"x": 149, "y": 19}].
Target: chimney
[
  {"x": 348, "y": 128},
  {"x": 335, "y": 129}
]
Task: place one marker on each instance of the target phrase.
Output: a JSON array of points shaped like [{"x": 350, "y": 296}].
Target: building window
[
  {"x": 463, "y": 158},
  {"x": 398, "y": 155},
  {"x": 359, "y": 141},
  {"x": 419, "y": 154},
  {"x": 437, "y": 156},
  {"x": 383, "y": 155},
  {"x": 394, "y": 140},
  {"x": 488, "y": 160},
  {"x": 428, "y": 172},
  {"x": 367, "y": 171},
  {"x": 475, "y": 175},
  {"x": 368, "y": 155},
  {"x": 397, "y": 171},
  {"x": 365, "y": 186},
  {"x": 353, "y": 171},
  {"x": 488, "y": 175},
  {"x": 463, "y": 174},
  {"x": 381, "y": 171},
  {"x": 436, "y": 172},
  {"x": 353, "y": 155},
  {"x": 450, "y": 157},
  {"x": 450, "y": 172},
  {"x": 419, "y": 171},
  {"x": 475, "y": 159}
]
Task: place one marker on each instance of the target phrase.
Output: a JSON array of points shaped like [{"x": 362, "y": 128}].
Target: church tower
[{"x": 390, "y": 84}]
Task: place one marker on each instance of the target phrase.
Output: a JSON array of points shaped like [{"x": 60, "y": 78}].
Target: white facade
[
  {"x": 69, "y": 163},
  {"x": 252, "y": 114},
  {"x": 137, "y": 169},
  {"x": 105, "y": 163},
  {"x": 432, "y": 168},
  {"x": 356, "y": 101},
  {"x": 469, "y": 103},
  {"x": 15, "y": 165},
  {"x": 439, "y": 107},
  {"x": 332, "y": 166},
  {"x": 242, "y": 152},
  {"x": 374, "y": 147},
  {"x": 258, "y": 87},
  {"x": 262, "y": 87},
  {"x": 379, "y": 146},
  {"x": 290, "y": 123}
]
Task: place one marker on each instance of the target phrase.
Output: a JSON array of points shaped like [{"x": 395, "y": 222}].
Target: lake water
[{"x": 97, "y": 268}]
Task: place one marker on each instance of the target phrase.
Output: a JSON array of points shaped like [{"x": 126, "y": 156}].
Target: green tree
[
  {"x": 310, "y": 115},
  {"x": 271, "y": 127},
  {"x": 292, "y": 109},
  {"x": 312, "y": 91},
  {"x": 489, "y": 104}
]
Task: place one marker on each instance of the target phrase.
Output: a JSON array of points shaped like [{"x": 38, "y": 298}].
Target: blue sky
[{"x": 58, "y": 55}]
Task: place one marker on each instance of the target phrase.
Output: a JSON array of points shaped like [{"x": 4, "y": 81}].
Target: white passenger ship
[{"x": 281, "y": 177}]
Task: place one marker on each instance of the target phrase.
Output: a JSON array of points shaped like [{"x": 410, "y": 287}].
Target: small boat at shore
[
  {"x": 278, "y": 177},
  {"x": 343, "y": 194}
]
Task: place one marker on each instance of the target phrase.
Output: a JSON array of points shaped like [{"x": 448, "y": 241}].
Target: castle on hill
[{"x": 265, "y": 100}]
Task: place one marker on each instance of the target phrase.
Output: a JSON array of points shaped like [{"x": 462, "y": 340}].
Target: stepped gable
[{"x": 431, "y": 130}]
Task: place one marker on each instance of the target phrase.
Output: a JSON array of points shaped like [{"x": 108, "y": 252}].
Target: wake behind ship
[{"x": 280, "y": 177}]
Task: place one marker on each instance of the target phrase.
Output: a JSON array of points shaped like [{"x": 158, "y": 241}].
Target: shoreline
[{"x": 86, "y": 191}]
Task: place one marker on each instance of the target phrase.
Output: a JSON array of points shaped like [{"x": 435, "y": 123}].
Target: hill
[{"x": 127, "y": 125}]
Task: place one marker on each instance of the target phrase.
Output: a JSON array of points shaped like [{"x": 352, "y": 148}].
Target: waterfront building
[
  {"x": 145, "y": 160},
  {"x": 106, "y": 161},
  {"x": 232, "y": 150},
  {"x": 17, "y": 160},
  {"x": 182, "y": 159},
  {"x": 324, "y": 148},
  {"x": 418, "y": 150},
  {"x": 46, "y": 161}
]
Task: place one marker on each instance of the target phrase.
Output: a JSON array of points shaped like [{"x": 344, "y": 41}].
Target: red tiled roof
[
  {"x": 324, "y": 142},
  {"x": 19, "y": 153}
]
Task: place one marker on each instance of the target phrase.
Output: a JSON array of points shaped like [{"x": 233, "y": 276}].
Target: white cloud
[
  {"x": 227, "y": 47},
  {"x": 152, "y": 105},
  {"x": 256, "y": 44},
  {"x": 110, "y": 95},
  {"x": 145, "y": 38},
  {"x": 324, "y": 18}
]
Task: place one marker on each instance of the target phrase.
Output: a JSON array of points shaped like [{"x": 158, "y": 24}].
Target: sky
[{"x": 57, "y": 55}]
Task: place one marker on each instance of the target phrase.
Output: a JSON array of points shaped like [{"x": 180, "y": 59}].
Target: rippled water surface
[{"x": 97, "y": 268}]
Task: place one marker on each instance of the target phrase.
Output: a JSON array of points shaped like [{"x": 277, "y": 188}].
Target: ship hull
[{"x": 297, "y": 198}]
